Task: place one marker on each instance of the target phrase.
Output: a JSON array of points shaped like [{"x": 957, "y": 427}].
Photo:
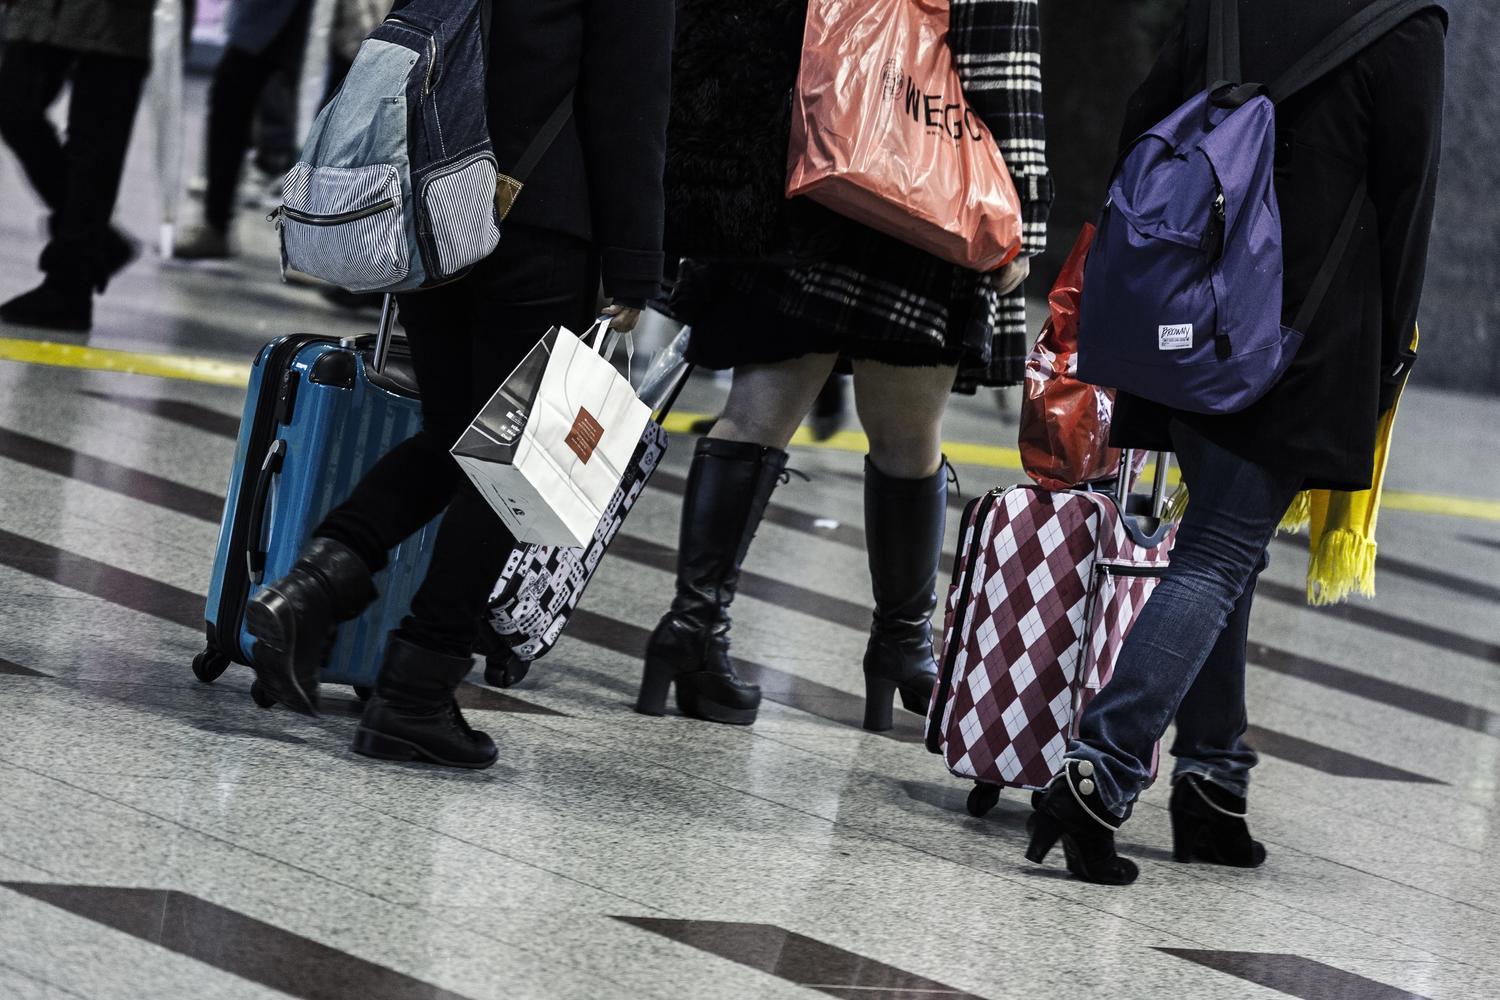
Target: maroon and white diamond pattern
[{"x": 1039, "y": 631}]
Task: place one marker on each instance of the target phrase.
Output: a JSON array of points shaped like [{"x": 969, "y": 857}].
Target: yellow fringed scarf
[{"x": 1341, "y": 526}]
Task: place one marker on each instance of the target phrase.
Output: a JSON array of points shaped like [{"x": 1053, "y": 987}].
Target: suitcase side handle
[{"x": 255, "y": 548}]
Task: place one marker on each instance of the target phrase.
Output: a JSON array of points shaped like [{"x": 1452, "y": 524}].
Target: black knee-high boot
[
  {"x": 727, "y": 492},
  {"x": 904, "y": 521}
]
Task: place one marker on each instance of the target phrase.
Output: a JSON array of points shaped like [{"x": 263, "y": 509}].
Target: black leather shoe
[
  {"x": 1208, "y": 824},
  {"x": 413, "y": 715},
  {"x": 293, "y": 619},
  {"x": 904, "y": 522},
  {"x": 1070, "y": 810},
  {"x": 728, "y": 488},
  {"x": 53, "y": 305}
]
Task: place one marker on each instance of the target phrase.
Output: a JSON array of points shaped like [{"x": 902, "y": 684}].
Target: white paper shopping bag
[{"x": 551, "y": 446}]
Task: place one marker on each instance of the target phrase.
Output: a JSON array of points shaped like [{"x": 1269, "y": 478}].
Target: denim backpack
[
  {"x": 397, "y": 187},
  {"x": 1182, "y": 298}
]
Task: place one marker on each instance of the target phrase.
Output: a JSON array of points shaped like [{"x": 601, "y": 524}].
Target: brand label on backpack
[{"x": 1175, "y": 338}]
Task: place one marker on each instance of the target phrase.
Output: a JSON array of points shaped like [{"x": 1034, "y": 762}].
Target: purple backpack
[{"x": 1182, "y": 299}]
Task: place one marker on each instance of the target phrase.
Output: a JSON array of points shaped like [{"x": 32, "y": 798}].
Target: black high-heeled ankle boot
[
  {"x": 413, "y": 714},
  {"x": 728, "y": 489},
  {"x": 1208, "y": 824},
  {"x": 904, "y": 522},
  {"x": 1070, "y": 810},
  {"x": 293, "y": 619}
]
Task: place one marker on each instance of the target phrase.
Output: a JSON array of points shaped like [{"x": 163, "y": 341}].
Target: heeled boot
[
  {"x": 728, "y": 488},
  {"x": 1208, "y": 824},
  {"x": 293, "y": 619},
  {"x": 1070, "y": 810},
  {"x": 413, "y": 714},
  {"x": 904, "y": 522}
]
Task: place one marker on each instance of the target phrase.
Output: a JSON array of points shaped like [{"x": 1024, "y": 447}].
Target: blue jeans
[{"x": 1185, "y": 656}]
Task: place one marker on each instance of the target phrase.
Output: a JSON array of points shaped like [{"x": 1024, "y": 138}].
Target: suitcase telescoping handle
[
  {"x": 1158, "y": 484},
  {"x": 386, "y": 332}
]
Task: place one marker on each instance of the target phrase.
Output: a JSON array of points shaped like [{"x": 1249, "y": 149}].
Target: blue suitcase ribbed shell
[{"x": 313, "y": 400}]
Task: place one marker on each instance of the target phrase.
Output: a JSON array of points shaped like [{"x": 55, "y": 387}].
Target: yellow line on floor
[
  {"x": 229, "y": 373},
  {"x": 42, "y": 352}
]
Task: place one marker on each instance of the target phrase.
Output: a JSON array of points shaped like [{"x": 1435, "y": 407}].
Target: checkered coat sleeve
[{"x": 997, "y": 45}]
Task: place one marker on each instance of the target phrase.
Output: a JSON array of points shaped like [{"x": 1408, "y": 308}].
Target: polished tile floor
[{"x": 162, "y": 838}]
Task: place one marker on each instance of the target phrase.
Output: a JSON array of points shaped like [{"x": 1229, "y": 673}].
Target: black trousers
[
  {"x": 78, "y": 179},
  {"x": 465, "y": 339},
  {"x": 239, "y": 80}
]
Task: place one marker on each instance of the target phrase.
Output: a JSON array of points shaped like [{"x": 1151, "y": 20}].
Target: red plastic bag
[
  {"x": 881, "y": 133},
  {"x": 1065, "y": 422}
]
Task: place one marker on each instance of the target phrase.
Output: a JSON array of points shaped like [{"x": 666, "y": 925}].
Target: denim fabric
[{"x": 1185, "y": 655}]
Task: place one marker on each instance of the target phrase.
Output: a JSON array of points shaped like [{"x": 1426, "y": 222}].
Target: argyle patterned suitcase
[{"x": 1046, "y": 587}]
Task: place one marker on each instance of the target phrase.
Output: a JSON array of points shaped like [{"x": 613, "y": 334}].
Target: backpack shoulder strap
[
  {"x": 1332, "y": 261},
  {"x": 1344, "y": 43},
  {"x": 544, "y": 138},
  {"x": 1223, "y": 43}
]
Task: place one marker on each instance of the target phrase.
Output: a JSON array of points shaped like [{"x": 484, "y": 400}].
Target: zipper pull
[{"x": 275, "y": 217}]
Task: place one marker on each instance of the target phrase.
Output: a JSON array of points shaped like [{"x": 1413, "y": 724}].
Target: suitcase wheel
[
  {"x": 982, "y": 799},
  {"x": 209, "y": 665},
  {"x": 505, "y": 670},
  {"x": 261, "y": 696},
  {"x": 363, "y": 693}
]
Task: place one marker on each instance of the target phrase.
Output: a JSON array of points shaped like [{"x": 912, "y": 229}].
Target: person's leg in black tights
[
  {"x": 101, "y": 117},
  {"x": 79, "y": 179},
  {"x": 31, "y": 78},
  {"x": 233, "y": 96},
  {"x": 465, "y": 339}
]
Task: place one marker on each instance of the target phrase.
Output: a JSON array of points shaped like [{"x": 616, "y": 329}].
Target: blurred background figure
[
  {"x": 102, "y": 48},
  {"x": 264, "y": 36}
]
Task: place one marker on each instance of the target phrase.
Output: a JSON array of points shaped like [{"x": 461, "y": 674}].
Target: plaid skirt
[{"x": 877, "y": 300}]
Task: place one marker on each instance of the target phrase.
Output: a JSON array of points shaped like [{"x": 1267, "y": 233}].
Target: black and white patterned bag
[{"x": 541, "y": 585}]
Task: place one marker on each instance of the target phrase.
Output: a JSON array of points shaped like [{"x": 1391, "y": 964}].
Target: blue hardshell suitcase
[{"x": 319, "y": 412}]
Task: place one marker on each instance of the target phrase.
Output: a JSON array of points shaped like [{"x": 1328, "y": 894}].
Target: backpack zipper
[
  {"x": 354, "y": 215},
  {"x": 1116, "y": 569}
]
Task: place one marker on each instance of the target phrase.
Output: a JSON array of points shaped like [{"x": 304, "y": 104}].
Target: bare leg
[
  {"x": 767, "y": 402},
  {"x": 902, "y": 413}
]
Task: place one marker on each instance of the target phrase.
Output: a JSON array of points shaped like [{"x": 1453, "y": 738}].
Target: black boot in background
[
  {"x": 58, "y": 303},
  {"x": 904, "y": 522},
  {"x": 413, "y": 714},
  {"x": 1070, "y": 810},
  {"x": 727, "y": 492},
  {"x": 1208, "y": 824},
  {"x": 293, "y": 619}
]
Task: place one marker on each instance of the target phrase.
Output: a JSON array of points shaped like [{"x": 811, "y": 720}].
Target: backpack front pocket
[
  {"x": 458, "y": 213},
  {"x": 345, "y": 225}
]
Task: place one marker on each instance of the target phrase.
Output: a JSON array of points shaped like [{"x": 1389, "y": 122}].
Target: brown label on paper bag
[{"x": 585, "y": 435}]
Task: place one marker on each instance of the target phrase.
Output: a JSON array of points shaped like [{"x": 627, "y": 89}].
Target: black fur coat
[{"x": 734, "y": 67}]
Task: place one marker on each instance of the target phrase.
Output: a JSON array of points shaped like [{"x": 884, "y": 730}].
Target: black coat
[
  {"x": 108, "y": 27},
  {"x": 602, "y": 179},
  {"x": 1377, "y": 118}
]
